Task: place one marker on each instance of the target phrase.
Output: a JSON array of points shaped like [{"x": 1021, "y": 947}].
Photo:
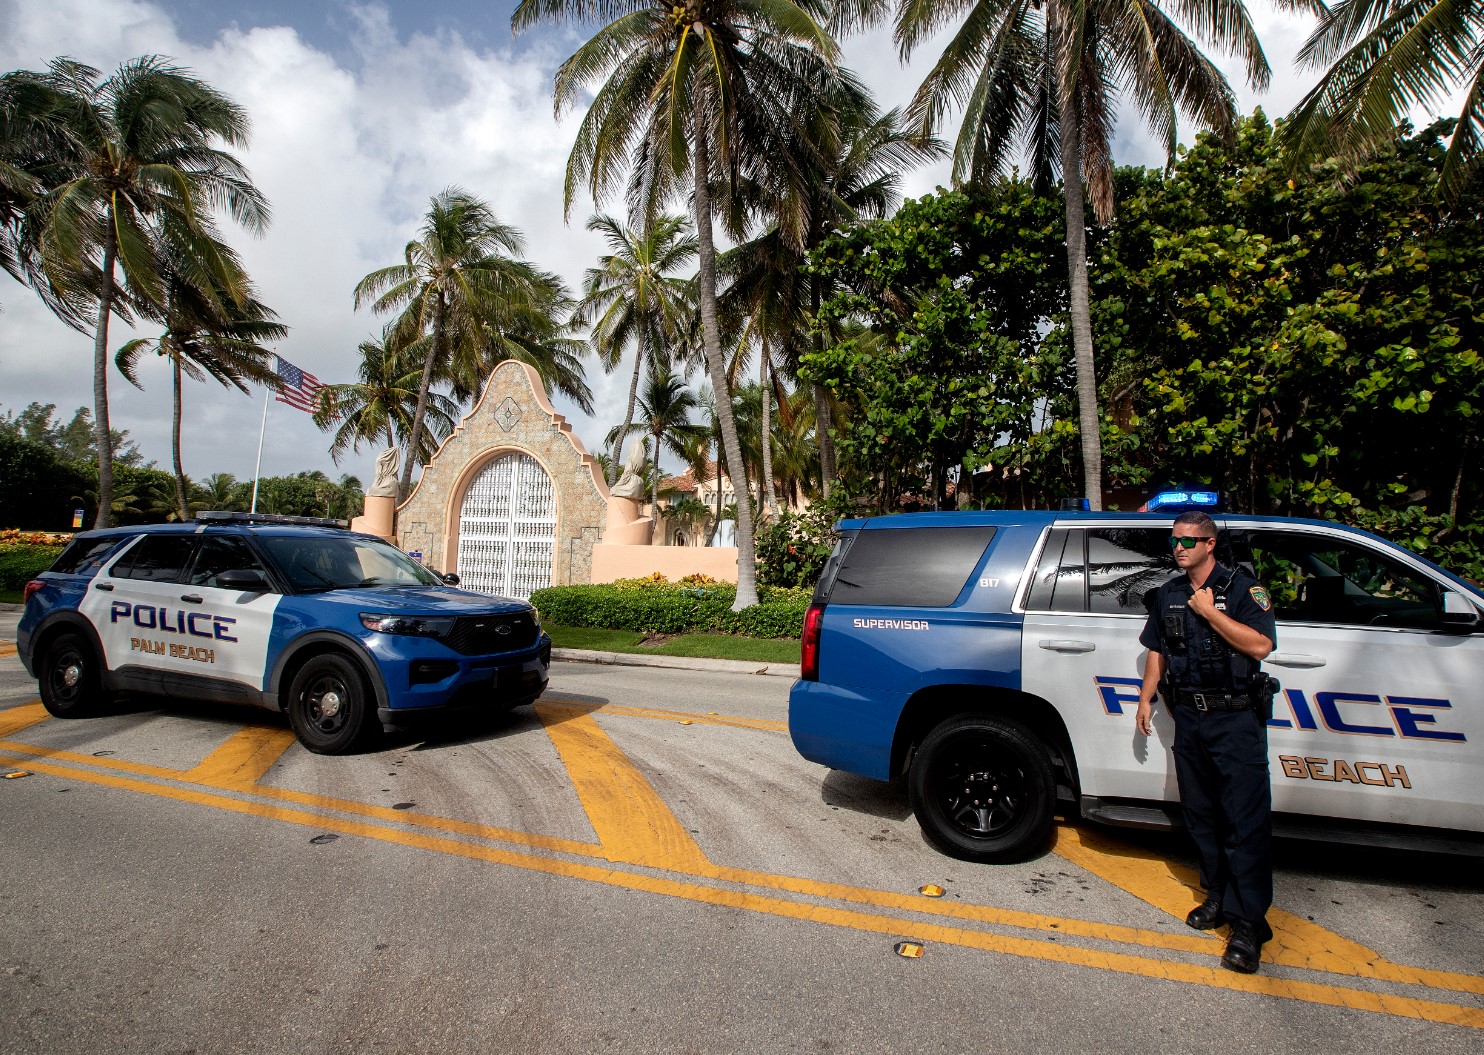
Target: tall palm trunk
[
  {"x": 711, "y": 338},
  {"x": 180, "y": 489},
  {"x": 628, "y": 419},
  {"x": 414, "y": 443},
  {"x": 770, "y": 502},
  {"x": 822, "y": 421},
  {"x": 1087, "y": 386},
  {"x": 102, "y": 436}
]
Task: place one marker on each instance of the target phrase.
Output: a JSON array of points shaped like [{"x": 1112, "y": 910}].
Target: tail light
[
  {"x": 31, "y": 587},
  {"x": 809, "y": 663}
]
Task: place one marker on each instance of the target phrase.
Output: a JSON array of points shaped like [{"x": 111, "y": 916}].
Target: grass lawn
[
  {"x": 707, "y": 646},
  {"x": 11, "y": 597}
]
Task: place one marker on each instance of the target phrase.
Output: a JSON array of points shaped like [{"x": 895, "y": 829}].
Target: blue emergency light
[{"x": 1168, "y": 500}]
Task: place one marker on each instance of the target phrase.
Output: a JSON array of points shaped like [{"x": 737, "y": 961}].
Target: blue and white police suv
[
  {"x": 341, "y": 630},
  {"x": 993, "y": 657}
]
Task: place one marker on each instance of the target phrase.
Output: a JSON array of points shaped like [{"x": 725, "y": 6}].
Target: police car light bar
[
  {"x": 229, "y": 516},
  {"x": 1166, "y": 500}
]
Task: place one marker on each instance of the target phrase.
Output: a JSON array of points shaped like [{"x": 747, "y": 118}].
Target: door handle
[
  {"x": 105, "y": 586},
  {"x": 1295, "y": 659},
  {"x": 193, "y": 598},
  {"x": 1061, "y": 644}
]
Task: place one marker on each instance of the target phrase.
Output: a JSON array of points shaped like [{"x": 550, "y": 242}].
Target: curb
[{"x": 629, "y": 659}]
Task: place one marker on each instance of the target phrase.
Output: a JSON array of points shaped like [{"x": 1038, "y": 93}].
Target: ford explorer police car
[
  {"x": 994, "y": 658},
  {"x": 340, "y": 630}
]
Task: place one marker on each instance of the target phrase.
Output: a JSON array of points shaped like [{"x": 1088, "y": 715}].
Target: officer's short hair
[{"x": 1194, "y": 518}]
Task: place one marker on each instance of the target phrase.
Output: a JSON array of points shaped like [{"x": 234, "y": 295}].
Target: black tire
[
  {"x": 71, "y": 677},
  {"x": 331, "y": 708},
  {"x": 983, "y": 789}
]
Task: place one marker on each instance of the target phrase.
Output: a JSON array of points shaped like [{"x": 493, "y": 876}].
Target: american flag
[{"x": 300, "y": 388}]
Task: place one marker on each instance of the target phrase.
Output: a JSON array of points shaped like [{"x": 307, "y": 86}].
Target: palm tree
[
  {"x": 382, "y": 402},
  {"x": 1046, "y": 73},
  {"x": 219, "y": 491},
  {"x": 634, "y": 297},
  {"x": 458, "y": 291},
  {"x": 693, "y": 95},
  {"x": 1385, "y": 58},
  {"x": 205, "y": 336},
  {"x": 665, "y": 407},
  {"x": 135, "y": 175}
]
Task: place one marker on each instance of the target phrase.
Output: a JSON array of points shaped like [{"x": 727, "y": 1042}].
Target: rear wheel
[
  {"x": 331, "y": 708},
  {"x": 70, "y": 677},
  {"x": 983, "y": 789}
]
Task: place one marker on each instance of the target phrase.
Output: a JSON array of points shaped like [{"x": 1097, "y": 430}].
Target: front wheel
[
  {"x": 983, "y": 789},
  {"x": 70, "y": 678},
  {"x": 330, "y": 706}
]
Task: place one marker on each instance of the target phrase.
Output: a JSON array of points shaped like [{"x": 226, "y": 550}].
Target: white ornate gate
[{"x": 507, "y": 528}]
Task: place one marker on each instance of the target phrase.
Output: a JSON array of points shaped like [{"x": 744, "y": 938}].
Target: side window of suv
[
  {"x": 221, "y": 553},
  {"x": 84, "y": 556},
  {"x": 909, "y": 567},
  {"x": 156, "y": 558},
  {"x": 1315, "y": 578},
  {"x": 1106, "y": 571}
]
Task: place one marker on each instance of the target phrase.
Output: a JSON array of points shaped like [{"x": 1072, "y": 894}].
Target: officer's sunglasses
[{"x": 1188, "y": 541}]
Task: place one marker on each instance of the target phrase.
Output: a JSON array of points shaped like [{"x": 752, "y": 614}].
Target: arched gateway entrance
[{"x": 507, "y": 527}]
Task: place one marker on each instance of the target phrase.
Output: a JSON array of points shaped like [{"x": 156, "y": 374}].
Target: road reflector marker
[
  {"x": 687, "y": 722},
  {"x": 930, "y": 890},
  {"x": 912, "y": 950},
  {"x": 15, "y": 773}
]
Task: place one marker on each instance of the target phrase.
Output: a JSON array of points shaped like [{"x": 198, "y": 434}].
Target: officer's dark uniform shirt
[{"x": 1196, "y": 656}]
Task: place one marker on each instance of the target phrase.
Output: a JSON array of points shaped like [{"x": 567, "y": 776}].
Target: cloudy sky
[{"x": 361, "y": 112}]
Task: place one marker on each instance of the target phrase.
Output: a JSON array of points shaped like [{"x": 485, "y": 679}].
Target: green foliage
[
  {"x": 36, "y": 487},
  {"x": 792, "y": 550},
  {"x": 672, "y": 608},
  {"x": 19, "y": 564},
  {"x": 957, "y": 289}
]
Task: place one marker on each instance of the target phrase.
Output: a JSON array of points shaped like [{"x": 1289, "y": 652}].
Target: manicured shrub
[
  {"x": 22, "y": 562},
  {"x": 658, "y": 607}
]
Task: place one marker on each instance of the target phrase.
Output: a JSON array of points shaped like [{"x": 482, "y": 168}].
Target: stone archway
[{"x": 507, "y": 527}]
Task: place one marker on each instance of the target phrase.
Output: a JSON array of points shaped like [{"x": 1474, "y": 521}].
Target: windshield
[{"x": 336, "y": 563}]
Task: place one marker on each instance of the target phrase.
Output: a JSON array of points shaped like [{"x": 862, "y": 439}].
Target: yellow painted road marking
[
  {"x": 1297, "y": 942},
  {"x": 7, "y": 648},
  {"x": 1329, "y": 995},
  {"x": 244, "y": 759},
  {"x": 648, "y": 712},
  {"x": 14, "y": 719},
  {"x": 631, "y": 820}
]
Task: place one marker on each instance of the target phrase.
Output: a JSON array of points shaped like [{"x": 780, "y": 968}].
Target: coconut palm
[
  {"x": 634, "y": 297},
  {"x": 665, "y": 407},
  {"x": 207, "y": 335},
  {"x": 1385, "y": 58},
  {"x": 692, "y": 96},
  {"x": 381, "y": 403},
  {"x": 218, "y": 491},
  {"x": 135, "y": 176},
  {"x": 1046, "y": 74},
  {"x": 459, "y": 290}
]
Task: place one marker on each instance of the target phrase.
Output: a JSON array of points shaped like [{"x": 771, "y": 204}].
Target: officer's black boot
[
  {"x": 1243, "y": 948},
  {"x": 1206, "y": 915}
]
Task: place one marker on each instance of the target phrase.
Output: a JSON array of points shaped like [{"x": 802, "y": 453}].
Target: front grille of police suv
[{"x": 475, "y": 635}]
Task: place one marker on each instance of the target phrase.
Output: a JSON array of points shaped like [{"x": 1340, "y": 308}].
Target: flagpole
[{"x": 258, "y": 465}]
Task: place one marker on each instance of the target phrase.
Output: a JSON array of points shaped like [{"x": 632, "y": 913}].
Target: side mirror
[
  {"x": 1457, "y": 611},
  {"x": 248, "y": 580},
  {"x": 451, "y": 579}
]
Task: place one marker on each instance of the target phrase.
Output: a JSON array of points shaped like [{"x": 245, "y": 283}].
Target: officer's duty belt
[{"x": 1212, "y": 701}]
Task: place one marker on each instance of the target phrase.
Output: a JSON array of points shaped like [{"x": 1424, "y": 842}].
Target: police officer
[{"x": 1207, "y": 631}]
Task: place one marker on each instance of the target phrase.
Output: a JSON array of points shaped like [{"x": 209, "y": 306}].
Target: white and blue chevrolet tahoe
[
  {"x": 994, "y": 659},
  {"x": 342, "y": 631}
]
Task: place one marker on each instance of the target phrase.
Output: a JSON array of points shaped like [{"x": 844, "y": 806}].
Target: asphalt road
[{"x": 641, "y": 863}]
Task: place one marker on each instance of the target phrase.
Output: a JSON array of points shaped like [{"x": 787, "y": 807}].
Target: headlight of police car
[{"x": 417, "y": 625}]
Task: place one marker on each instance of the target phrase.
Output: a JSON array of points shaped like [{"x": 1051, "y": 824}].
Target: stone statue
[
  {"x": 388, "y": 463},
  {"x": 631, "y": 483}
]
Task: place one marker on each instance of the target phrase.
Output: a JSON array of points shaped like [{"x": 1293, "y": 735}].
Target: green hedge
[
  {"x": 673, "y": 609},
  {"x": 20, "y": 564}
]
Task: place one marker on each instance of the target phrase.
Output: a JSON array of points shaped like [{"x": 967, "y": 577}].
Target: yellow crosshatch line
[
  {"x": 635, "y": 827},
  {"x": 7, "y": 648}
]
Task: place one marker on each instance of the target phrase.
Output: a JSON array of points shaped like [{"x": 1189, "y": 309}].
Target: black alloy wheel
[
  {"x": 330, "y": 706},
  {"x": 983, "y": 789},
  {"x": 69, "y": 678}
]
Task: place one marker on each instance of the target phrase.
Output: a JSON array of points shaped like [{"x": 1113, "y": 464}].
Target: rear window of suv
[
  {"x": 908, "y": 567},
  {"x": 84, "y": 556}
]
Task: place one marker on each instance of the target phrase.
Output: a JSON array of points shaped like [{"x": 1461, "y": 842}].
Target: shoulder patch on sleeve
[{"x": 1261, "y": 597}]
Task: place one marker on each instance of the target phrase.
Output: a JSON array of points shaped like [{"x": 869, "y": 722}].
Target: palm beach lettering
[
  {"x": 172, "y": 621},
  {"x": 1377, "y": 774},
  {"x": 889, "y": 624},
  {"x": 174, "y": 649}
]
